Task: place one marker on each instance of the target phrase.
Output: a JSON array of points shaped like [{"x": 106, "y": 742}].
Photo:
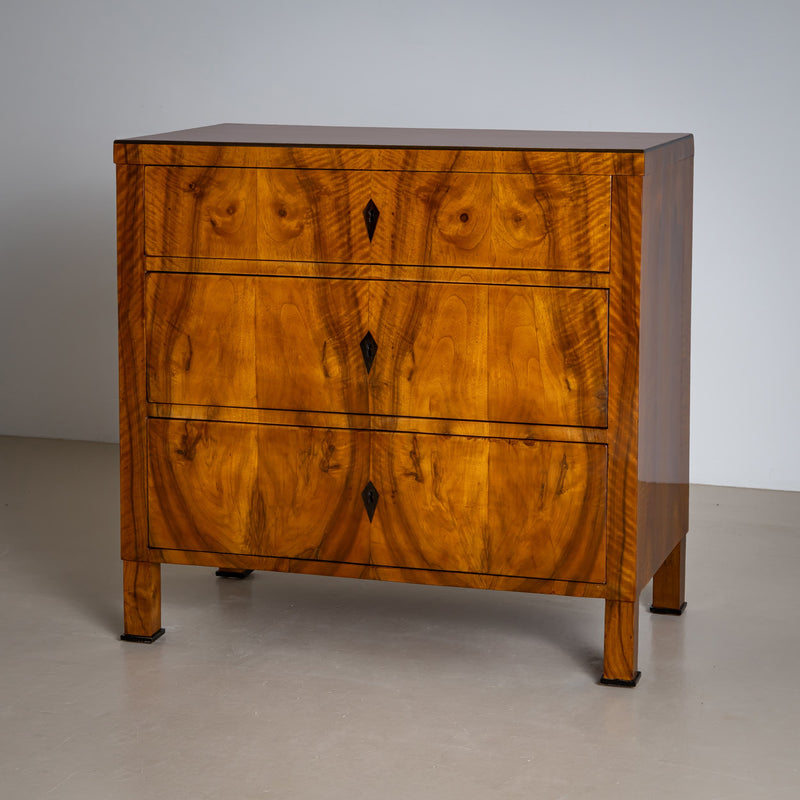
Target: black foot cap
[
  {"x": 132, "y": 637},
  {"x": 673, "y": 612},
  {"x": 618, "y": 682},
  {"x": 233, "y": 573}
]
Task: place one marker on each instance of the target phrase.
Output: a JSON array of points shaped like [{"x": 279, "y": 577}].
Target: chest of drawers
[{"x": 447, "y": 357}]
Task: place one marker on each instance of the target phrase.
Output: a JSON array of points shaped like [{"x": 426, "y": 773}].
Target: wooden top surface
[{"x": 410, "y": 138}]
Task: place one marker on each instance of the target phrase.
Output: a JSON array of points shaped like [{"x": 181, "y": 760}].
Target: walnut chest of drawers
[{"x": 430, "y": 356}]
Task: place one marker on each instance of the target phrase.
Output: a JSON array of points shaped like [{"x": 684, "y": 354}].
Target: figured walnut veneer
[
  {"x": 453, "y": 219},
  {"x": 445, "y": 350},
  {"x": 443, "y": 502},
  {"x": 447, "y": 357}
]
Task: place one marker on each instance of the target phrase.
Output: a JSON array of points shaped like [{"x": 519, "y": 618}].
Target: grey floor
[{"x": 292, "y": 686}]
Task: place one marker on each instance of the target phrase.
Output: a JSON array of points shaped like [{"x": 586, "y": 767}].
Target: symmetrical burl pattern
[{"x": 463, "y": 365}]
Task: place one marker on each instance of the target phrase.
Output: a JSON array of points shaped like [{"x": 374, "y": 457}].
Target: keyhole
[{"x": 370, "y": 497}]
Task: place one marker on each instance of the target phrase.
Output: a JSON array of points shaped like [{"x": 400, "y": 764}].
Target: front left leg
[{"x": 621, "y": 644}]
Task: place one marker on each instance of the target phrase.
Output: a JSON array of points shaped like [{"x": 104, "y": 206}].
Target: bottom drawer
[{"x": 467, "y": 504}]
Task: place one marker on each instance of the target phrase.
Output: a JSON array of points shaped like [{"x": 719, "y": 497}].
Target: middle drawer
[{"x": 460, "y": 351}]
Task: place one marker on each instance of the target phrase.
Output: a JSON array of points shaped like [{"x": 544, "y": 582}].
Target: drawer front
[
  {"x": 256, "y": 342},
  {"x": 272, "y": 491},
  {"x": 493, "y": 506},
  {"x": 457, "y": 351},
  {"x": 489, "y": 506},
  {"x": 416, "y": 218}
]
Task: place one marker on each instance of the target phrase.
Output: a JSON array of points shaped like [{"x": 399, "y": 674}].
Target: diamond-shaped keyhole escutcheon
[
  {"x": 369, "y": 349},
  {"x": 371, "y": 215},
  {"x": 370, "y": 497}
]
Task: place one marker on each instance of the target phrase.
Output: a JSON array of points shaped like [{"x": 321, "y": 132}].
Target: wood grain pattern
[
  {"x": 443, "y": 502},
  {"x": 316, "y": 419},
  {"x": 294, "y": 344},
  {"x": 666, "y": 274},
  {"x": 548, "y": 355},
  {"x": 434, "y": 511},
  {"x": 257, "y": 342},
  {"x": 141, "y": 583},
  {"x": 281, "y": 492},
  {"x": 341, "y": 569},
  {"x": 408, "y": 149},
  {"x": 542, "y": 162},
  {"x": 495, "y": 353},
  {"x": 432, "y": 350},
  {"x": 394, "y": 272},
  {"x": 623, "y": 407},
  {"x": 444, "y": 219},
  {"x": 525, "y": 420},
  {"x": 131, "y": 338},
  {"x": 451, "y": 504},
  {"x": 621, "y": 648},
  {"x": 547, "y": 504}
]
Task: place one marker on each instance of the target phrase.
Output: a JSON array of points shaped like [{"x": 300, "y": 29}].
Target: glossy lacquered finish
[
  {"x": 418, "y": 218},
  {"x": 408, "y": 357},
  {"x": 448, "y": 503},
  {"x": 465, "y": 351}
]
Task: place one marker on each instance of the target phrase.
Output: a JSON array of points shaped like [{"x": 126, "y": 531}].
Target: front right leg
[{"x": 142, "y": 591}]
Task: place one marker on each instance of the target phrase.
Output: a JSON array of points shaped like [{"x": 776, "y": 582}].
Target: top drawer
[{"x": 370, "y": 217}]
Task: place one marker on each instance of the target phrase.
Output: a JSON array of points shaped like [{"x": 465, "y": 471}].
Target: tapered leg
[
  {"x": 669, "y": 583},
  {"x": 142, "y": 589},
  {"x": 620, "y": 651}
]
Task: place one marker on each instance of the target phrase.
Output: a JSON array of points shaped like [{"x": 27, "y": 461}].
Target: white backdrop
[{"x": 76, "y": 74}]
